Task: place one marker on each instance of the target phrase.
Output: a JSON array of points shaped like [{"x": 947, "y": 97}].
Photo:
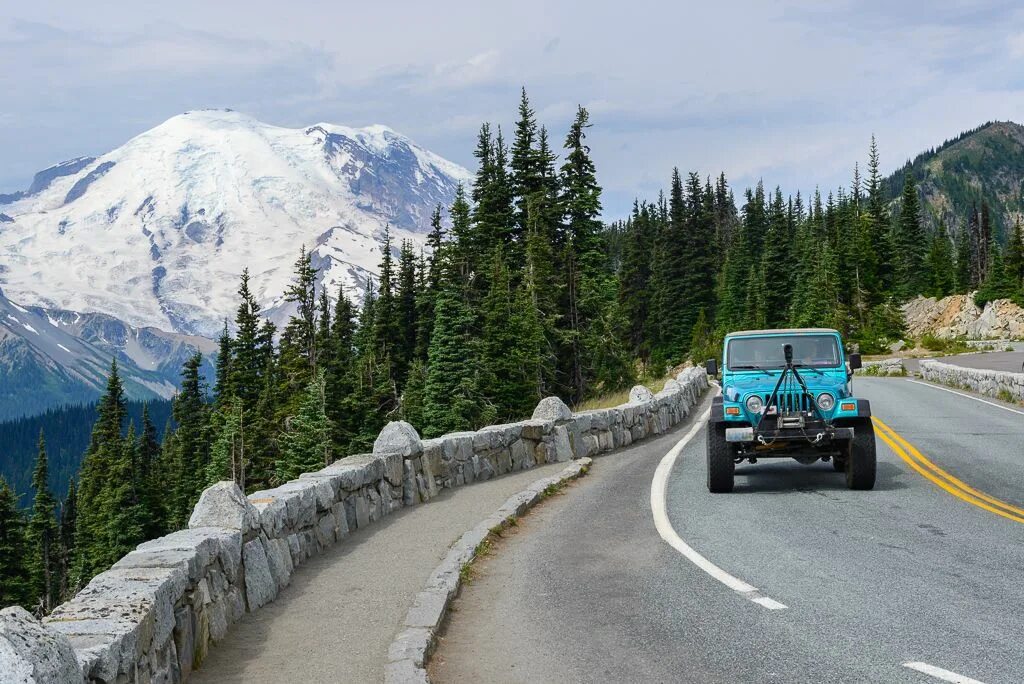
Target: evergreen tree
[
  {"x": 452, "y": 398},
  {"x": 121, "y": 506},
  {"x": 228, "y": 446},
  {"x": 527, "y": 165},
  {"x": 150, "y": 480},
  {"x": 583, "y": 258},
  {"x": 192, "y": 454},
  {"x": 42, "y": 537},
  {"x": 222, "y": 388},
  {"x": 939, "y": 265},
  {"x": 407, "y": 313},
  {"x": 68, "y": 516},
  {"x": 1015, "y": 260},
  {"x": 106, "y": 449},
  {"x": 964, "y": 278},
  {"x": 306, "y": 444},
  {"x": 998, "y": 284},
  {"x": 511, "y": 340},
  {"x": 909, "y": 242},
  {"x": 15, "y": 581}
]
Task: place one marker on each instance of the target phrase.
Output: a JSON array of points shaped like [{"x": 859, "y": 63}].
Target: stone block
[
  {"x": 31, "y": 653},
  {"x": 398, "y": 437},
  {"x": 553, "y": 409},
  {"x": 224, "y": 505},
  {"x": 536, "y": 429},
  {"x": 260, "y": 588},
  {"x": 640, "y": 394}
]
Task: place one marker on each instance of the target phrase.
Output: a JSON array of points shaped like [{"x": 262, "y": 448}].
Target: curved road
[{"x": 922, "y": 573}]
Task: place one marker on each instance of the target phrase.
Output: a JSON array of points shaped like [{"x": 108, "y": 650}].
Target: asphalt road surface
[
  {"x": 1012, "y": 361},
  {"x": 918, "y": 580}
]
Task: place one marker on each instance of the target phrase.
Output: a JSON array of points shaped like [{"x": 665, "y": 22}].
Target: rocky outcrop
[
  {"x": 998, "y": 384},
  {"x": 958, "y": 316},
  {"x": 155, "y": 614}
]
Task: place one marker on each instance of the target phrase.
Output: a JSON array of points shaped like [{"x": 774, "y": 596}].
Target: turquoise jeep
[{"x": 788, "y": 393}]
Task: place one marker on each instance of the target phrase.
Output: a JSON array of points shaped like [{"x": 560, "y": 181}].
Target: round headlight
[
  {"x": 826, "y": 401},
  {"x": 754, "y": 404}
]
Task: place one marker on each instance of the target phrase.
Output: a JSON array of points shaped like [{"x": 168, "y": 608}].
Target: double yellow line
[{"x": 916, "y": 460}]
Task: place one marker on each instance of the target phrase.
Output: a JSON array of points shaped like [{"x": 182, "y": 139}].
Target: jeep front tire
[
  {"x": 861, "y": 461},
  {"x": 721, "y": 467}
]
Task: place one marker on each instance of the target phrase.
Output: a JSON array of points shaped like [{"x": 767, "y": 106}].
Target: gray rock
[
  {"x": 30, "y": 653},
  {"x": 640, "y": 394},
  {"x": 398, "y": 437},
  {"x": 260, "y": 588},
  {"x": 224, "y": 505},
  {"x": 273, "y": 511},
  {"x": 279, "y": 560},
  {"x": 561, "y": 449},
  {"x": 551, "y": 408},
  {"x": 536, "y": 429},
  {"x": 393, "y": 468},
  {"x": 300, "y": 500}
]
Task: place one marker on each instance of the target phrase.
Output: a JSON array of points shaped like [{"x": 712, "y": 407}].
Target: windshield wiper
[
  {"x": 749, "y": 367},
  {"x": 810, "y": 368}
]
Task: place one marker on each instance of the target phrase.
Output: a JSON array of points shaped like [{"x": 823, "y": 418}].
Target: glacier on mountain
[{"x": 157, "y": 232}]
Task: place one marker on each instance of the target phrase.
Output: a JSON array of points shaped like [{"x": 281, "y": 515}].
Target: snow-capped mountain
[
  {"x": 157, "y": 232},
  {"x": 49, "y": 358}
]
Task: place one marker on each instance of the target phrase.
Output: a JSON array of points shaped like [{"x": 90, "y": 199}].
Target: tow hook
[{"x": 818, "y": 437}]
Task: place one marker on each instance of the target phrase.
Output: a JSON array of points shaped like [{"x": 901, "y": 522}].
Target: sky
[{"x": 789, "y": 92}]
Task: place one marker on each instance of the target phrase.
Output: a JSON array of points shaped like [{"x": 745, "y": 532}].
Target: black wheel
[
  {"x": 861, "y": 461},
  {"x": 720, "y": 464}
]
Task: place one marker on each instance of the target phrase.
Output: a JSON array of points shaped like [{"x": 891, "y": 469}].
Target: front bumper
[{"x": 811, "y": 434}]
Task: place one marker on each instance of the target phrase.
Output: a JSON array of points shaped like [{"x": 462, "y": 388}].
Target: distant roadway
[
  {"x": 639, "y": 574},
  {"x": 1012, "y": 361}
]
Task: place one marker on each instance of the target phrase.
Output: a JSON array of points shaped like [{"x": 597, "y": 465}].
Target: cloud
[{"x": 788, "y": 91}]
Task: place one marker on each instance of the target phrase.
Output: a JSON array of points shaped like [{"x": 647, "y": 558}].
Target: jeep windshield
[{"x": 765, "y": 353}]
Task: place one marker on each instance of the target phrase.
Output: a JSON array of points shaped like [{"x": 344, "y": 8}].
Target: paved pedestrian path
[{"x": 343, "y": 608}]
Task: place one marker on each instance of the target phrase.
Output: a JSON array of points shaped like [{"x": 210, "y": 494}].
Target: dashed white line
[
  {"x": 939, "y": 673},
  {"x": 659, "y": 486},
  {"x": 966, "y": 396}
]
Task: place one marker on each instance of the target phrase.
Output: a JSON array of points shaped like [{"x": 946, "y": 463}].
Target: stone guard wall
[
  {"x": 153, "y": 616},
  {"x": 988, "y": 382}
]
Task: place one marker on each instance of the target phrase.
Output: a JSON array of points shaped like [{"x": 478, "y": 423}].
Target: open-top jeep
[{"x": 789, "y": 393}]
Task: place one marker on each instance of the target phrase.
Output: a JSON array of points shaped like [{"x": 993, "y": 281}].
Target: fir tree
[
  {"x": 121, "y": 507},
  {"x": 43, "y": 536},
  {"x": 306, "y": 444},
  {"x": 998, "y": 284},
  {"x": 407, "y": 312},
  {"x": 909, "y": 242},
  {"x": 939, "y": 265},
  {"x": 452, "y": 398},
  {"x": 192, "y": 454},
  {"x": 106, "y": 448},
  {"x": 1015, "y": 260},
  {"x": 15, "y": 581},
  {"x": 68, "y": 521},
  {"x": 150, "y": 480},
  {"x": 964, "y": 280}
]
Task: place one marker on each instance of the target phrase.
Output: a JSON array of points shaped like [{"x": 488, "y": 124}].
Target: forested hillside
[
  {"x": 973, "y": 178},
  {"x": 527, "y": 295},
  {"x": 67, "y": 432}
]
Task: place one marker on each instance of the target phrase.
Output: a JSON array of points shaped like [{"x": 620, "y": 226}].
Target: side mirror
[
  {"x": 855, "y": 362},
  {"x": 712, "y": 367}
]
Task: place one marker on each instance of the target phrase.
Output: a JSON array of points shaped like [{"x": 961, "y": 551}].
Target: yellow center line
[
  {"x": 942, "y": 479},
  {"x": 1010, "y": 508}
]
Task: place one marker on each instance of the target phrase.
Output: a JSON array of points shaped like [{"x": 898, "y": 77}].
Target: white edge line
[
  {"x": 659, "y": 486},
  {"x": 967, "y": 396},
  {"x": 939, "y": 673}
]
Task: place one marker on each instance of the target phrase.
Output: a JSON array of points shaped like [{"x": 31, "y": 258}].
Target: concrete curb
[{"x": 410, "y": 651}]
